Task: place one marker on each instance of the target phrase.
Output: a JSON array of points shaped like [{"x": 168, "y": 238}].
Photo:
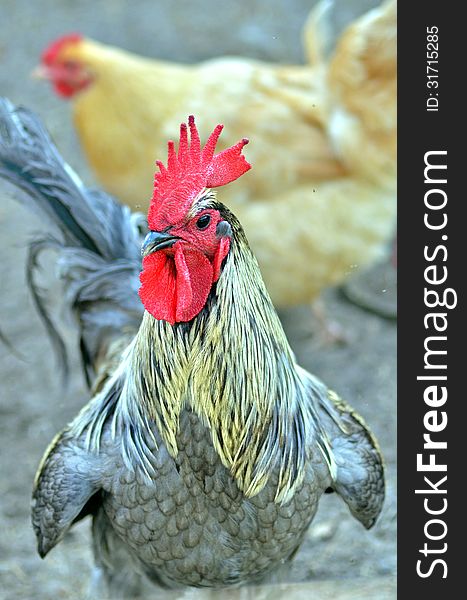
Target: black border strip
[{"x": 421, "y": 131}]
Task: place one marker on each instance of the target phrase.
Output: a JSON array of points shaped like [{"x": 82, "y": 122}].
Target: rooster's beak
[{"x": 156, "y": 240}]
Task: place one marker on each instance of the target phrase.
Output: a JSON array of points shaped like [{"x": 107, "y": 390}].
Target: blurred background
[{"x": 338, "y": 559}]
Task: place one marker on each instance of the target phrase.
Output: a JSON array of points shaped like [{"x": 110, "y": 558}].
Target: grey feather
[{"x": 98, "y": 239}]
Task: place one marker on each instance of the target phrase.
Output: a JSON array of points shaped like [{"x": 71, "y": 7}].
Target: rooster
[
  {"x": 205, "y": 448},
  {"x": 325, "y": 140}
]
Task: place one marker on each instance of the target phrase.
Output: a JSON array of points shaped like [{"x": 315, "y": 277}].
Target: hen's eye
[{"x": 203, "y": 221}]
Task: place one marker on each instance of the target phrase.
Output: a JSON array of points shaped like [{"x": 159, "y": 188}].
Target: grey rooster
[{"x": 205, "y": 448}]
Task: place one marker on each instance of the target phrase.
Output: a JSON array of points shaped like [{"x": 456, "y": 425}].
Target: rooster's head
[{"x": 188, "y": 238}]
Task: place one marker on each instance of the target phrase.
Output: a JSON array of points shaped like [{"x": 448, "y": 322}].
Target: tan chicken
[{"x": 324, "y": 181}]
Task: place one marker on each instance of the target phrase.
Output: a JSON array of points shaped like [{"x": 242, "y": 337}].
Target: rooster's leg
[{"x": 115, "y": 575}]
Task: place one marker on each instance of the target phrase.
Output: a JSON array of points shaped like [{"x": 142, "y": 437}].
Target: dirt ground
[{"x": 339, "y": 559}]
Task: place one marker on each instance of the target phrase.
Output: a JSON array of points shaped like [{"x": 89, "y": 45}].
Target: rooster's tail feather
[{"x": 98, "y": 240}]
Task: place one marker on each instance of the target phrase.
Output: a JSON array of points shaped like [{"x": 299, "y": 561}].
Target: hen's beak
[
  {"x": 157, "y": 240},
  {"x": 40, "y": 72}
]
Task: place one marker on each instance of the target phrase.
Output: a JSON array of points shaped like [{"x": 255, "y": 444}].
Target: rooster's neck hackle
[{"x": 233, "y": 367}]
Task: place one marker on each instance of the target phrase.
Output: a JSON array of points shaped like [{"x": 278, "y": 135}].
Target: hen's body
[
  {"x": 206, "y": 448},
  {"x": 324, "y": 152}
]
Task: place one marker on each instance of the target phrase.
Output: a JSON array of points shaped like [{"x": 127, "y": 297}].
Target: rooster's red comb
[{"x": 191, "y": 170}]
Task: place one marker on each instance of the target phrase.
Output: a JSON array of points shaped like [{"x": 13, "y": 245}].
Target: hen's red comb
[
  {"x": 191, "y": 170},
  {"x": 50, "y": 54}
]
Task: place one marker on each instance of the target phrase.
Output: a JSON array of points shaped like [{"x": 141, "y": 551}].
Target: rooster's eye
[{"x": 203, "y": 221}]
